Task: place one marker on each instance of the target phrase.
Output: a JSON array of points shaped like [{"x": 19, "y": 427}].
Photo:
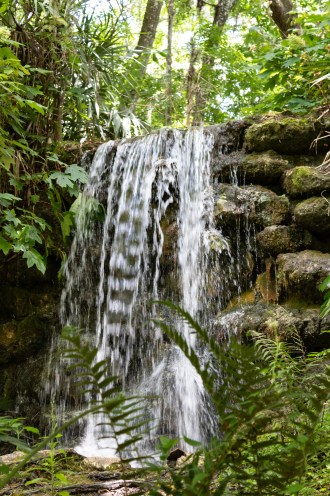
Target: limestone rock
[
  {"x": 274, "y": 240},
  {"x": 284, "y": 322},
  {"x": 261, "y": 206},
  {"x": 12, "y": 458},
  {"x": 267, "y": 208},
  {"x": 300, "y": 274},
  {"x": 230, "y": 205},
  {"x": 101, "y": 462},
  {"x": 263, "y": 168},
  {"x": 284, "y": 135},
  {"x": 305, "y": 181},
  {"x": 314, "y": 214}
]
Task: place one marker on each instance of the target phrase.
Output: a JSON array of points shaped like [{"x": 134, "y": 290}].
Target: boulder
[
  {"x": 300, "y": 274},
  {"x": 305, "y": 181},
  {"x": 101, "y": 462},
  {"x": 258, "y": 204},
  {"x": 230, "y": 206},
  {"x": 314, "y": 214},
  {"x": 274, "y": 240},
  {"x": 21, "y": 339},
  {"x": 265, "y": 207},
  {"x": 282, "y": 134},
  {"x": 262, "y": 168},
  {"x": 276, "y": 320}
]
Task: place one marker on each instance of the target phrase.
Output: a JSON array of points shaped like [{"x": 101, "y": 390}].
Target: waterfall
[{"x": 127, "y": 253}]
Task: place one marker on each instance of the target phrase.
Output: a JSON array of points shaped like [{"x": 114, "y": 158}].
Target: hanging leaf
[
  {"x": 5, "y": 246},
  {"x": 33, "y": 257}
]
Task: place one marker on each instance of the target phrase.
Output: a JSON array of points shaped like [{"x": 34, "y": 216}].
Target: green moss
[
  {"x": 282, "y": 134},
  {"x": 298, "y": 303}
]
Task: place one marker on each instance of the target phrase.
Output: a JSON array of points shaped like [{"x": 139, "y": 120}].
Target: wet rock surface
[
  {"x": 28, "y": 317},
  {"x": 257, "y": 204},
  {"x": 263, "y": 168},
  {"x": 305, "y": 181},
  {"x": 272, "y": 320},
  {"x": 274, "y": 240},
  {"x": 314, "y": 214},
  {"x": 300, "y": 274},
  {"x": 291, "y": 224}
]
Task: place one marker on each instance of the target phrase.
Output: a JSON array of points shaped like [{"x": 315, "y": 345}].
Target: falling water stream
[{"x": 119, "y": 263}]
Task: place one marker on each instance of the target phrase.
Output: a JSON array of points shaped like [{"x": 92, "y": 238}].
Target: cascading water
[{"x": 118, "y": 264}]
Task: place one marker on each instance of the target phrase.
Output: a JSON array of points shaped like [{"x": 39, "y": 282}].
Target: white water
[{"x": 115, "y": 269}]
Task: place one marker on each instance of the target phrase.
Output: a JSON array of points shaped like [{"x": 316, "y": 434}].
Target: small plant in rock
[
  {"x": 325, "y": 286},
  {"x": 49, "y": 467}
]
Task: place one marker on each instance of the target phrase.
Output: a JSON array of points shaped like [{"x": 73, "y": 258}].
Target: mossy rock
[
  {"x": 305, "y": 181},
  {"x": 314, "y": 214},
  {"x": 276, "y": 320},
  {"x": 267, "y": 208},
  {"x": 274, "y": 240},
  {"x": 256, "y": 203},
  {"x": 19, "y": 340},
  {"x": 300, "y": 274},
  {"x": 263, "y": 168},
  {"x": 17, "y": 303},
  {"x": 282, "y": 134}
]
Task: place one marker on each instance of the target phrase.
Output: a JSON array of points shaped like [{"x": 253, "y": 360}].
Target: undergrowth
[
  {"x": 273, "y": 418},
  {"x": 272, "y": 405}
]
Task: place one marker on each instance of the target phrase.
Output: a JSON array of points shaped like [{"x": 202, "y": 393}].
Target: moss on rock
[
  {"x": 276, "y": 320},
  {"x": 284, "y": 135},
  {"x": 267, "y": 208},
  {"x": 262, "y": 168},
  {"x": 305, "y": 181}
]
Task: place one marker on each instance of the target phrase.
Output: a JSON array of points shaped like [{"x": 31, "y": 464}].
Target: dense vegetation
[
  {"x": 70, "y": 70},
  {"x": 272, "y": 404},
  {"x": 73, "y": 72}
]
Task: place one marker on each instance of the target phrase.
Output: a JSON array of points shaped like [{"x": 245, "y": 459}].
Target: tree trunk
[
  {"x": 280, "y": 10},
  {"x": 148, "y": 32},
  {"x": 138, "y": 67},
  {"x": 168, "y": 111},
  {"x": 221, "y": 13}
]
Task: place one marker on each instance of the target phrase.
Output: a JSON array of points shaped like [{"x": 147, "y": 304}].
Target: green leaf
[
  {"x": 34, "y": 430},
  {"x": 5, "y": 246},
  {"x": 77, "y": 173},
  {"x": 66, "y": 224},
  {"x": 33, "y": 257},
  {"x": 191, "y": 442},
  {"x": 61, "y": 477},
  {"x": 325, "y": 284},
  {"x": 36, "y": 106},
  {"x": 7, "y": 199},
  {"x": 62, "y": 179},
  {"x": 4, "y": 469},
  {"x": 6, "y": 53},
  {"x": 166, "y": 444},
  {"x": 294, "y": 488}
]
